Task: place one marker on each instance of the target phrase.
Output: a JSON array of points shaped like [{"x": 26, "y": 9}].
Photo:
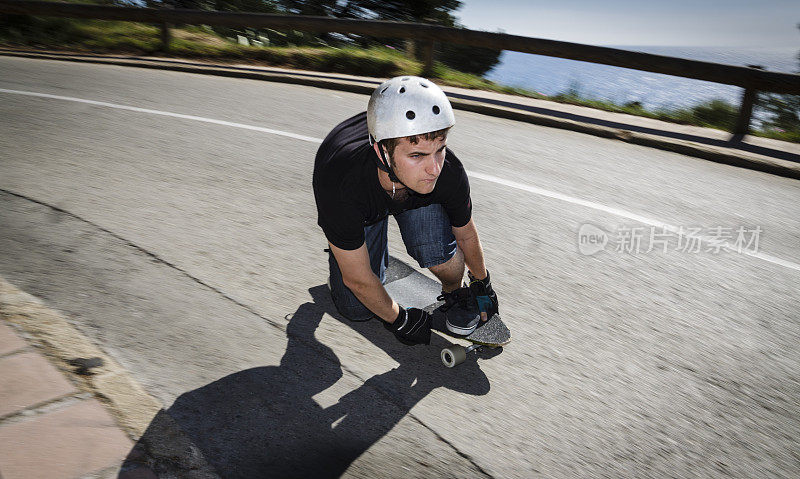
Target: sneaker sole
[{"x": 461, "y": 331}]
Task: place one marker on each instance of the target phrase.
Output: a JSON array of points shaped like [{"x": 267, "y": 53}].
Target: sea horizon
[{"x": 551, "y": 76}]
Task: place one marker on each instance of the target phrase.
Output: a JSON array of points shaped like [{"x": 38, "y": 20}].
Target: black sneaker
[{"x": 460, "y": 311}]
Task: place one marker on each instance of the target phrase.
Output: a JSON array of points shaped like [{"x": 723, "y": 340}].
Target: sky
[{"x": 726, "y": 23}]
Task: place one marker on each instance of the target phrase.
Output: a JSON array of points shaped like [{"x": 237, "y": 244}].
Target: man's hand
[
  {"x": 412, "y": 326},
  {"x": 484, "y": 295}
]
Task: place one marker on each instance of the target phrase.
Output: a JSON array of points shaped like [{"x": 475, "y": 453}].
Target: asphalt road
[{"x": 189, "y": 251}]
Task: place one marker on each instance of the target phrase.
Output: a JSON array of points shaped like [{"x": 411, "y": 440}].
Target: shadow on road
[{"x": 264, "y": 422}]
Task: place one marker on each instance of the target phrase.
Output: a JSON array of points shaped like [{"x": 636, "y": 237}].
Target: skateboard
[{"x": 492, "y": 334}]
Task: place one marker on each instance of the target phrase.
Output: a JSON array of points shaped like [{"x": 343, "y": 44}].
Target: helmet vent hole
[
  {"x": 402, "y": 89},
  {"x": 436, "y": 110},
  {"x": 423, "y": 85},
  {"x": 410, "y": 115},
  {"x": 384, "y": 90},
  {"x": 404, "y": 79}
]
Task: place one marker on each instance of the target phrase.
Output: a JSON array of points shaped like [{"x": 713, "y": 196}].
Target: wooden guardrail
[{"x": 750, "y": 79}]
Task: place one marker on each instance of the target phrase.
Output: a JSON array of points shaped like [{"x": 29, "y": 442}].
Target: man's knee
[
  {"x": 427, "y": 235},
  {"x": 432, "y": 255},
  {"x": 454, "y": 262}
]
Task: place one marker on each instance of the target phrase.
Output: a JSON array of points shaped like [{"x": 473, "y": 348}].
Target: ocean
[{"x": 551, "y": 76}]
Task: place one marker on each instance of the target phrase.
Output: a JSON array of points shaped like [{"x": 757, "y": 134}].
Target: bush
[
  {"x": 716, "y": 114},
  {"x": 783, "y": 110},
  {"x": 468, "y": 59},
  {"x": 200, "y": 42}
]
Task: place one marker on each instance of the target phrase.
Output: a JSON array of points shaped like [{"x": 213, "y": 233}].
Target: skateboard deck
[{"x": 492, "y": 333}]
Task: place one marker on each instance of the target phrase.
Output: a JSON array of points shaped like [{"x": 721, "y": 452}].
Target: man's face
[{"x": 418, "y": 165}]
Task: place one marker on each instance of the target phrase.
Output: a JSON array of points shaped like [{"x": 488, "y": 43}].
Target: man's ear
[{"x": 377, "y": 145}]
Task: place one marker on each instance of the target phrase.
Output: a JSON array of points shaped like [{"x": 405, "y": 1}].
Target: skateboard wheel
[{"x": 454, "y": 355}]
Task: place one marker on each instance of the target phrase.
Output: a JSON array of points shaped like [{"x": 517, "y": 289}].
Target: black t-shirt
[{"x": 350, "y": 197}]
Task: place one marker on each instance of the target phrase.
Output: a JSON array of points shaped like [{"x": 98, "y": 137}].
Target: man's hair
[{"x": 391, "y": 143}]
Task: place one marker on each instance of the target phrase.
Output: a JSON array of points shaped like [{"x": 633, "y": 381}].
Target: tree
[
  {"x": 426, "y": 11},
  {"x": 469, "y": 59},
  {"x": 784, "y": 112},
  {"x": 255, "y": 6},
  {"x": 465, "y": 58},
  {"x": 325, "y": 8}
]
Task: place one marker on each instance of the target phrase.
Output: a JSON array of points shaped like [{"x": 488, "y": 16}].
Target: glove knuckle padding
[
  {"x": 484, "y": 303},
  {"x": 415, "y": 327}
]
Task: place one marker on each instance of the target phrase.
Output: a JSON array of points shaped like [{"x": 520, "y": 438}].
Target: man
[{"x": 393, "y": 160}]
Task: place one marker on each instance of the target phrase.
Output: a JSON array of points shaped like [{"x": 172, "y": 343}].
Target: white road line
[
  {"x": 166, "y": 113},
  {"x": 631, "y": 216},
  {"x": 500, "y": 181}
]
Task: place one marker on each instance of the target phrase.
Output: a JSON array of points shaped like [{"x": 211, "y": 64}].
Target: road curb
[
  {"x": 60, "y": 341},
  {"x": 776, "y": 167},
  {"x": 354, "y": 86},
  {"x": 165, "y": 446}
]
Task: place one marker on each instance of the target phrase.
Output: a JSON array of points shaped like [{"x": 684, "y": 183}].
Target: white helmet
[{"x": 405, "y": 106}]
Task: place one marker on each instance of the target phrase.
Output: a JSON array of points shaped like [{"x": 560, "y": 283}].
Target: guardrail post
[
  {"x": 427, "y": 56},
  {"x": 410, "y": 48},
  {"x": 166, "y": 36},
  {"x": 746, "y": 109}
]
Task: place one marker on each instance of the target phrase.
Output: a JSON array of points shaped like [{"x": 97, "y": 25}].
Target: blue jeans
[{"x": 428, "y": 237}]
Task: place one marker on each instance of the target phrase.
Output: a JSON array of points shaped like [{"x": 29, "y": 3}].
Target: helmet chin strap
[{"x": 385, "y": 166}]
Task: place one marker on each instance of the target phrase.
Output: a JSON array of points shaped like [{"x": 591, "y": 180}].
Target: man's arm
[
  {"x": 358, "y": 276},
  {"x": 480, "y": 284},
  {"x": 470, "y": 245}
]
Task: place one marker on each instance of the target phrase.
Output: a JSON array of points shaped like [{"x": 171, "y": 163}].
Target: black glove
[
  {"x": 484, "y": 295},
  {"x": 412, "y": 326}
]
